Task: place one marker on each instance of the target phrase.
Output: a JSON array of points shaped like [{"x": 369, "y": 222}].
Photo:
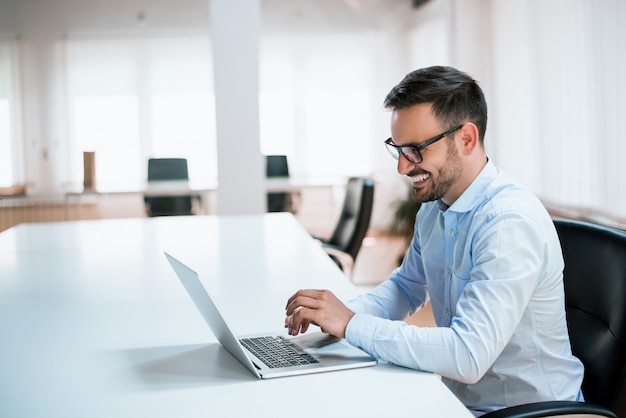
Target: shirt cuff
[{"x": 359, "y": 332}]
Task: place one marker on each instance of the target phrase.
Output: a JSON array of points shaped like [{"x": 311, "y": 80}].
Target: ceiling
[{"x": 95, "y": 16}]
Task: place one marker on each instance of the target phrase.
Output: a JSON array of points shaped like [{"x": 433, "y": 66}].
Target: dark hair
[{"x": 455, "y": 96}]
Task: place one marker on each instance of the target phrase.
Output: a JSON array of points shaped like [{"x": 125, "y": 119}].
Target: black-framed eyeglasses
[{"x": 413, "y": 152}]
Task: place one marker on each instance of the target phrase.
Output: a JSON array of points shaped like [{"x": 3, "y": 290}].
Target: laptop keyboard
[{"x": 277, "y": 351}]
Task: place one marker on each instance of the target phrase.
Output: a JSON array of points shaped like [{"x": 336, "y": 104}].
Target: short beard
[{"x": 446, "y": 177}]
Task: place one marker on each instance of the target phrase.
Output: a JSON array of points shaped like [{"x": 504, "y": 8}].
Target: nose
[{"x": 404, "y": 165}]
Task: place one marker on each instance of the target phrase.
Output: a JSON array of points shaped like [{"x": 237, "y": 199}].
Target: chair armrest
[
  {"x": 320, "y": 239},
  {"x": 343, "y": 260},
  {"x": 551, "y": 408}
]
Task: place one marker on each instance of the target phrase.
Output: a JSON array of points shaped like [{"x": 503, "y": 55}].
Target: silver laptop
[{"x": 268, "y": 356}]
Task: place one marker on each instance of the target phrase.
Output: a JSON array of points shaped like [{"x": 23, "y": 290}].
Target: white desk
[
  {"x": 94, "y": 323},
  {"x": 296, "y": 184},
  {"x": 149, "y": 188},
  {"x": 76, "y": 193}
]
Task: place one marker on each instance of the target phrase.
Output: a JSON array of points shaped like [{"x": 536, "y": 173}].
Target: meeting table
[{"x": 95, "y": 323}]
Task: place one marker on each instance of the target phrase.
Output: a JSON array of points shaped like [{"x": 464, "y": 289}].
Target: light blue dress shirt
[{"x": 491, "y": 265}]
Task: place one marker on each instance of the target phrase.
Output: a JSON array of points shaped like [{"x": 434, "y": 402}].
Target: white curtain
[
  {"x": 558, "y": 76},
  {"x": 553, "y": 73},
  {"x": 316, "y": 102},
  {"x": 131, "y": 99},
  {"x": 11, "y": 139}
]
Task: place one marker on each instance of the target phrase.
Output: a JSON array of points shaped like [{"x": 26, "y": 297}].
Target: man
[{"x": 484, "y": 252}]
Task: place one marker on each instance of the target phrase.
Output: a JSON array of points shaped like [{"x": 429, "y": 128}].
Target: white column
[
  {"x": 44, "y": 129},
  {"x": 235, "y": 26}
]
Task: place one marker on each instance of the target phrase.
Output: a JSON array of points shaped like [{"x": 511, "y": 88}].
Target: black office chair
[
  {"x": 276, "y": 166},
  {"x": 595, "y": 293},
  {"x": 344, "y": 244},
  {"x": 168, "y": 169}
]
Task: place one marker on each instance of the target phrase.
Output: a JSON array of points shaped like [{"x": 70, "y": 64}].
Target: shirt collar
[{"x": 475, "y": 190}]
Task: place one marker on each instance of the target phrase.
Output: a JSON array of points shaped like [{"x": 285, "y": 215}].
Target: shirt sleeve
[
  {"x": 389, "y": 300},
  {"x": 507, "y": 255},
  {"x": 404, "y": 292}
]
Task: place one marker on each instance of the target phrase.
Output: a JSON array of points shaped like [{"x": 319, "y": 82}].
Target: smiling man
[{"x": 484, "y": 252}]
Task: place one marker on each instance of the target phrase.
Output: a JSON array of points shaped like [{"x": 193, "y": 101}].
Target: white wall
[
  {"x": 557, "y": 74},
  {"x": 552, "y": 72}
]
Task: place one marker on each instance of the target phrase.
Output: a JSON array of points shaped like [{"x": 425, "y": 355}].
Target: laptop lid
[{"x": 330, "y": 352}]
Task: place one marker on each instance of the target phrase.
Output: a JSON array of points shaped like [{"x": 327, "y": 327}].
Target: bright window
[
  {"x": 184, "y": 126},
  {"x": 6, "y": 167},
  {"x": 136, "y": 99},
  {"x": 132, "y": 99},
  {"x": 109, "y": 126},
  {"x": 10, "y": 133},
  {"x": 316, "y": 102}
]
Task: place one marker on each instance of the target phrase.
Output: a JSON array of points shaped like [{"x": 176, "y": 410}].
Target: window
[
  {"x": 133, "y": 99},
  {"x": 316, "y": 102},
  {"x": 11, "y": 168},
  {"x": 6, "y": 167}
]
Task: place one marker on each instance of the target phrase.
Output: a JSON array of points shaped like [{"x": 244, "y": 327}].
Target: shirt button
[
  {"x": 451, "y": 233},
  {"x": 448, "y": 272},
  {"x": 446, "y": 312}
]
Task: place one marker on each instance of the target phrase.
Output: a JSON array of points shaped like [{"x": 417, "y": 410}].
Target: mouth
[{"x": 420, "y": 179}]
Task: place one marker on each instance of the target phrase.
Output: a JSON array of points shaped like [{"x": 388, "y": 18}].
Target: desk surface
[
  {"x": 95, "y": 323},
  {"x": 179, "y": 187}
]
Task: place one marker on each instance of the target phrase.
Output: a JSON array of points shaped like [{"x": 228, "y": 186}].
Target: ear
[{"x": 468, "y": 136}]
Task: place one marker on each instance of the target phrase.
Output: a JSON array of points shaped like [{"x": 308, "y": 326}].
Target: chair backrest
[
  {"x": 355, "y": 216},
  {"x": 276, "y": 166},
  {"x": 167, "y": 169},
  {"x": 595, "y": 293}
]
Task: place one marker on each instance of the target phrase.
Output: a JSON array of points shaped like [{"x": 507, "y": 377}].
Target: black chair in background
[
  {"x": 160, "y": 169},
  {"x": 345, "y": 242},
  {"x": 595, "y": 294},
  {"x": 277, "y": 166}
]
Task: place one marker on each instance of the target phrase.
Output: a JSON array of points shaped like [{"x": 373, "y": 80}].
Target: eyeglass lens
[{"x": 410, "y": 153}]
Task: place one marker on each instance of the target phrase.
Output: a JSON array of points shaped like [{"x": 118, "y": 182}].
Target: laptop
[{"x": 267, "y": 355}]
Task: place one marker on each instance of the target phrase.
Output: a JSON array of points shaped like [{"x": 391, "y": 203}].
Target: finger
[
  {"x": 290, "y": 300},
  {"x": 294, "y": 327},
  {"x": 309, "y": 293},
  {"x": 304, "y": 327},
  {"x": 302, "y": 302},
  {"x": 291, "y": 325},
  {"x": 295, "y": 296},
  {"x": 290, "y": 321},
  {"x": 300, "y": 320}
]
